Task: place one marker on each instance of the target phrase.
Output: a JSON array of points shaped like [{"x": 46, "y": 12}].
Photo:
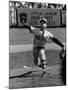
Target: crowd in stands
[{"x": 22, "y": 4}]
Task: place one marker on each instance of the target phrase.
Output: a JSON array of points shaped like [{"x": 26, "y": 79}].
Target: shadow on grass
[{"x": 29, "y": 74}]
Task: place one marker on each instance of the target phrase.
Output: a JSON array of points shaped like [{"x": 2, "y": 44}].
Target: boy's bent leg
[{"x": 43, "y": 58}]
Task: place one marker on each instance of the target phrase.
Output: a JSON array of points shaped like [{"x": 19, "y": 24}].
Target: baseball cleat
[{"x": 44, "y": 72}]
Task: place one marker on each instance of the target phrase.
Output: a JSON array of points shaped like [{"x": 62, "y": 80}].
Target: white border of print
[{"x": 4, "y": 44}]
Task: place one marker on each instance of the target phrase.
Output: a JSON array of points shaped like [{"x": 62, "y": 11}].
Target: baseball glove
[{"x": 62, "y": 53}]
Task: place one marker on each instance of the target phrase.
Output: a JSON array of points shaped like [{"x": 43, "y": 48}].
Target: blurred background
[{"x": 14, "y": 5}]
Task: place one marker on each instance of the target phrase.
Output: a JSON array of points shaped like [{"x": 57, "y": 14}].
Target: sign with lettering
[{"x": 33, "y": 16}]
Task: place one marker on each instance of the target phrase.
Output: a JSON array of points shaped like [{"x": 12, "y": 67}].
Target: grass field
[
  {"x": 18, "y": 59},
  {"x": 22, "y": 36},
  {"x": 35, "y": 81}
]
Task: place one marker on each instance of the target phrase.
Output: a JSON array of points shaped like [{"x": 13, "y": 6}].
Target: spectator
[
  {"x": 64, "y": 7},
  {"x": 59, "y": 6},
  {"x": 46, "y": 5},
  {"x": 23, "y": 4},
  {"x": 36, "y": 5},
  {"x": 43, "y": 5},
  {"x": 39, "y": 5},
  {"x": 10, "y": 4},
  {"x": 26, "y": 4},
  {"x": 51, "y": 6},
  {"x": 18, "y": 4},
  {"x": 30, "y": 5}
]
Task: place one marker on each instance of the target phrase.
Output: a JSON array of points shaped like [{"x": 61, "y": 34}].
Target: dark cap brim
[{"x": 42, "y": 21}]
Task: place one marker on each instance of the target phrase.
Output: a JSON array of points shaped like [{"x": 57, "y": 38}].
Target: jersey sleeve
[
  {"x": 48, "y": 35},
  {"x": 36, "y": 31}
]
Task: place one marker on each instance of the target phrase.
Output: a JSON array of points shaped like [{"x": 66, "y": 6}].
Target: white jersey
[{"x": 40, "y": 38}]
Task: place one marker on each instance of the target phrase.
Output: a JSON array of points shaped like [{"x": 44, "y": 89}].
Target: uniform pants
[{"x": 39, "y": 56}]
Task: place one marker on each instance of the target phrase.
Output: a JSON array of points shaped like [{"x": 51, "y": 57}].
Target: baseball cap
[{"x": 43, "y": 20}]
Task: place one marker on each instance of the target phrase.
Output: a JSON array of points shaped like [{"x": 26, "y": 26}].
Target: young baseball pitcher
[{"x": 41, "y": 36}]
